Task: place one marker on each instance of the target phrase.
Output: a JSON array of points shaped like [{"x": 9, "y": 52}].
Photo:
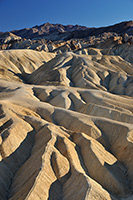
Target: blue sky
[{"x": 17, "y": 14}]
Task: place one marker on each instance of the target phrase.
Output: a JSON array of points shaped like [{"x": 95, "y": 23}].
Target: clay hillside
[{"x": 66, "y": 113}]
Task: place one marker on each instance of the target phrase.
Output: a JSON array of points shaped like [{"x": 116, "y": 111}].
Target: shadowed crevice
[
  {"x": 56, "y": 188},
  {"x": 10, "y": 165}
]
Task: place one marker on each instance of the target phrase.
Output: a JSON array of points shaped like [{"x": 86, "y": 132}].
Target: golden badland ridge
[{"x": 66, "y": 117}]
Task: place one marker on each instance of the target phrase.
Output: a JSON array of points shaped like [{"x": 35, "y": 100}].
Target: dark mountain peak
[{"x": 62, "y": 32}]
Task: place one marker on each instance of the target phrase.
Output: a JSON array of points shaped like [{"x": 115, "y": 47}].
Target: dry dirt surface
[{"x": 66, "y": 123}]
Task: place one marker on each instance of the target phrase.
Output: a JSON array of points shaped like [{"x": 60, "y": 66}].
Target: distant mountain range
[
  {"x": 59, "y": 31},
  {"x": 47, "y": 36}
]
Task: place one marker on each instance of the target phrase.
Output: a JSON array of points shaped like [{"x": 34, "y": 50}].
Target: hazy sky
[{"x": 17, "y": 14}]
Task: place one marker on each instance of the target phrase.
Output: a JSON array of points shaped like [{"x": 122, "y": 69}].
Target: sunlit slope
[{"x": 66, "y": 125}]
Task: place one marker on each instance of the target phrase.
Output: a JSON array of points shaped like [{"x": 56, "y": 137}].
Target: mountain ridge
[{"x": 48, "y": 28}]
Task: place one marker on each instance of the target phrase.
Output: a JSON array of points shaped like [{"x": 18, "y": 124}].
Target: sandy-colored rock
[
  {"x": 66, "y": 123},
  {"x": 14, "y": 63}
]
